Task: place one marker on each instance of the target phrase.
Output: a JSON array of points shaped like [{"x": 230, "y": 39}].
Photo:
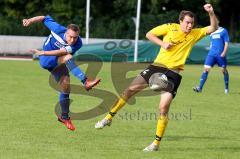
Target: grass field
[{"x": 201, "y": 126}]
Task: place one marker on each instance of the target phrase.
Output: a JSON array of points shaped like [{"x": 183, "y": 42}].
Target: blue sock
[
  {"x": 64, "y": 103},
  {"x": 73, "y": 68},
  {"x": 203, "y": 79},
  {"x": 226, "y": 79}
]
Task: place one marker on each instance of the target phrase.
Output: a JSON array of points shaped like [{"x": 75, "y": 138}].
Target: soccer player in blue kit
[
  {"x": 216, "y": 55},
  {"x": 57, "y": 58}
]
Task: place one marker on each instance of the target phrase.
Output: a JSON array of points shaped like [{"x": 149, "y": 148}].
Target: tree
[{"x": 113, "y": 18}]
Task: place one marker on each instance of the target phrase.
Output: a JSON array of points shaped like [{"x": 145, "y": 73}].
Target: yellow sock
[
  {"x": 116, "y": 107},
  {"x": 161, "y": 126}
]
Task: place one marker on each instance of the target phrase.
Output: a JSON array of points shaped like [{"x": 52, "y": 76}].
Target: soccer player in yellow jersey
[{"x": 177, "y": 42}]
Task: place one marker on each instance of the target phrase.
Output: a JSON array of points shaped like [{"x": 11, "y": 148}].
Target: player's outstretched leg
[
  {"x": 104, "y": 122},
  {"x": 137, "y": 85},
  {"x": 77, "y": 72},
  {"x": 89, "y": 84},
  {"x": 108, "y": 119}
]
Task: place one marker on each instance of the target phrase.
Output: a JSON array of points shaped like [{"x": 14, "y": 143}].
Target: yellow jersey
[{"x": 175, "y": 57}]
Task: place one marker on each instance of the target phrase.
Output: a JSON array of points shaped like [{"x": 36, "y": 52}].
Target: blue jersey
[
  {"x": 218, "y": 39},
  {"x": 57, "y": 38}
]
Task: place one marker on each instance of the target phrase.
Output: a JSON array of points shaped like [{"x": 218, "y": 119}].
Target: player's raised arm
[
  {"x": 213, "y": 20},
  {"x": 27, "y": 22}
]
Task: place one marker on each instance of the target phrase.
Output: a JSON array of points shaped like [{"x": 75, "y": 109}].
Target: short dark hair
[
  {"x": 73, "y": 27},
  {"x": 185, "y": 13}
]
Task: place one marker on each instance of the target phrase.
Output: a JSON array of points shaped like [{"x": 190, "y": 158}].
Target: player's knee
[
  {"x": 133, "y": 88},
  {"x": 65, "y": 84},
  {"x": 64, "y": 58},
  {"x": 130, "y": 91},
  {"x": 65, "y": 88},
  {"x": 163, "y": 111},
  {"x": 206, "y": 70},
  {"x": 224, "y": 70}
]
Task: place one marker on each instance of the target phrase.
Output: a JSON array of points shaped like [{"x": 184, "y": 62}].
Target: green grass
[{"x": 201, "y": 126}]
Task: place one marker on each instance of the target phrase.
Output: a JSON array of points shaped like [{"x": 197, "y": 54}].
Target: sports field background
[{"x": 202, "y": 126}]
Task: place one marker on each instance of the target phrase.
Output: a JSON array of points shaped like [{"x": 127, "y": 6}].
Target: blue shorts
[
  {"x": 210, "y": 61},
  {"x": 50, "y": 63}
]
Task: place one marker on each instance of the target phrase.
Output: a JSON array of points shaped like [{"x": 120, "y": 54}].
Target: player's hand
[
  {"x": 208, "y": 7},
  {"x": 37, "y": 52},
  {"x": 26, "y": 22},
  {"x": 167, "y": 45},
  {"x": 223, "y": 55}
]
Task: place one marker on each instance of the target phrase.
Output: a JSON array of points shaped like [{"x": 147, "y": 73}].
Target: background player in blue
[
  {"x": 216, "y": 55},
  {"x": 56, "y": 57}
]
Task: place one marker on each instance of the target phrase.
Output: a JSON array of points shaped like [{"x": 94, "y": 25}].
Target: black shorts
[{"x": 173, "y": 77}]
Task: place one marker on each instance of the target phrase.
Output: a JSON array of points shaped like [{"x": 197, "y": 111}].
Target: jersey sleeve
[
  {"x": 200, "y": 33},
  {"x": 226, "y": 36},
  {"x": 52, "y": 25},
  {"x": 73, "y": 48},
  {"x": 160, "y": 30}
]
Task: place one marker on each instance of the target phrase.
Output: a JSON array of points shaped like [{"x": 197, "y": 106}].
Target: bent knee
[{"x": 63, "y": 59}]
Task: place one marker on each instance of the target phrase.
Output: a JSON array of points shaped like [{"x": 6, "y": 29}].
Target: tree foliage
[{"x": 113, "y": 18}]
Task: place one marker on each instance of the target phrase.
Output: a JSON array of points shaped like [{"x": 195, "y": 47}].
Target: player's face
[
  {"x": 187, "y": 24},
  {"x": 71, "y": 36}
]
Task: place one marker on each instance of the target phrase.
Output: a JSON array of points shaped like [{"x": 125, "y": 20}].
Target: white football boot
[
  {"x": 101, "y": 124},
  {"x": 151, "y": 147}
]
